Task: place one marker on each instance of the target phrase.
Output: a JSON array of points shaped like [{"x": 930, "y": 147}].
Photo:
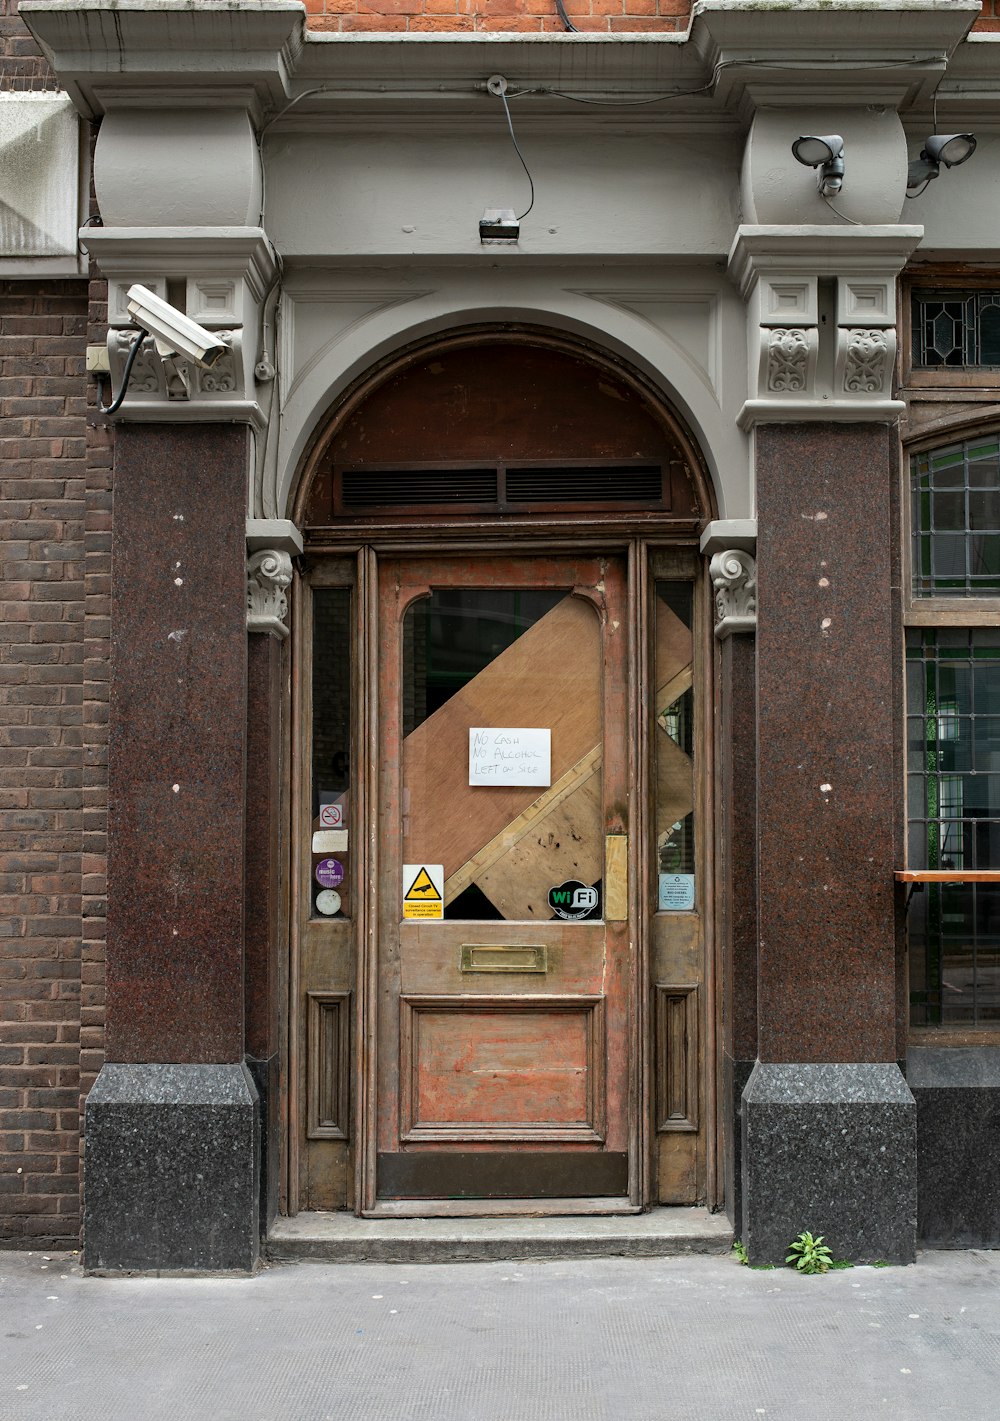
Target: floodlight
[
  {"x": 951, "y": 149},
  {"x": 826, "y": 154}
]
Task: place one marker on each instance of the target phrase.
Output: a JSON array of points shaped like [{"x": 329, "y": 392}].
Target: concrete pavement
[{"x": 661, "y": 1339}]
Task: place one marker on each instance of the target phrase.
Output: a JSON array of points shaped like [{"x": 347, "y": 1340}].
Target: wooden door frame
[{"x": 638, "y": 549}]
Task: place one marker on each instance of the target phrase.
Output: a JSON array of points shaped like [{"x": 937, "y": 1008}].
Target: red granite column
[
  {"x": 177, "y": 758},
  {"x": 737, "y": 850},
  {"x": 172, "y": 1130},
  {"x": 263, "y": 896},
  {"x": 828, "y": 1123},
  {"x": 827, "y": 776}
]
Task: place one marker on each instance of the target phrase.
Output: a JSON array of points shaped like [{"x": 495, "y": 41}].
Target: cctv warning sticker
[{"x": 423, "y": 891}]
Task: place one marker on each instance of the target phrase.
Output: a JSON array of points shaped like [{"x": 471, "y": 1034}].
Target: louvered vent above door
[
  {"x": 370, "y": 488},
  {"x": 416, "y": 489}
]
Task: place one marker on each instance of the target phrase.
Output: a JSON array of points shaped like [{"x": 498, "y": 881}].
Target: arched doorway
[{"x": 499, "y": 998}]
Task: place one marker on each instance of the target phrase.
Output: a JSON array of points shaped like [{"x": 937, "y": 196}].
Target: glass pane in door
[{"x": 519, "y": 670}]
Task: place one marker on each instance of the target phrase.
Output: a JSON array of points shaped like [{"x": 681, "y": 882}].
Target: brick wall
[
  {"x": 21, "y": 65},
  {"x": 96, "y": 654},
  {"x": 529, "y": 16},
  {"x": 54, "y": 492},
  {"x": 42, "y": 488}
]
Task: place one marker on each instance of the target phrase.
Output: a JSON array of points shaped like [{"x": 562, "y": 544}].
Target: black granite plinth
[
  {"x": 266, "y": 1078},
  {"x": 830, "y": 1148},
  {"x": 957, "y": 1090},
  {"x": 735, "y": 1075},
  {"x": 172, "y": 1169}
]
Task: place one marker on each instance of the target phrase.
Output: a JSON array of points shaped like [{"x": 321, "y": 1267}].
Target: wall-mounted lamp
[
  {"x": 951, "y": 149},
  {"x": 826, "y": 154}
]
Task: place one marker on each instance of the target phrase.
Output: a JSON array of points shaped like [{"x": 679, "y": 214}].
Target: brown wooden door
[{"x": 503, "y": 1011}]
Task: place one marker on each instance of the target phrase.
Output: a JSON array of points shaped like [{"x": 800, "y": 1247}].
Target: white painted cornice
[
  {"x": 159, "y": 52},
  {"x": 819, "y": 251},
  {"x": 260, "y": 55},
  {"x": 788, "y": 53},
  {"x": 154, "y": 250}
]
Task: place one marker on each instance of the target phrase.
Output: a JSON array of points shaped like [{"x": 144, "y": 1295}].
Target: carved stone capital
[
  {"x": 230, "y": 276},
  {"x": 171, "y": 377},
  {"x": 865, "y": 359},
  {"x": 734, "y": 577},
  {"x": 790, "y": 352},
  {"x": 269, "y": 573}
]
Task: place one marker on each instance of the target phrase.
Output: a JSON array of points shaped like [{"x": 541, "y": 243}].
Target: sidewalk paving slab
[{"x": 693, "y": 1338}]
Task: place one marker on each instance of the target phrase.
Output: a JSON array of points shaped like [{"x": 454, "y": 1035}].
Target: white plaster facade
[{"x": 318, "y": 196}]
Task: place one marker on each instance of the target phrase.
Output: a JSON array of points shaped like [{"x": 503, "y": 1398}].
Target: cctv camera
[{"x": 173, "y": 332}]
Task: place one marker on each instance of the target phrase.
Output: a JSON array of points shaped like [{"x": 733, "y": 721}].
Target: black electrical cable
[
  {"x": 127, "y": 373},
  {"x": 567, "y": 22},
  {"x": 517, "y": 150}
]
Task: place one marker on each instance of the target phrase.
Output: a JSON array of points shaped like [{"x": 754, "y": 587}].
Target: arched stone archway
[
  {"x": 502, "y": 395},
  {"x": 540, "y": 505}
]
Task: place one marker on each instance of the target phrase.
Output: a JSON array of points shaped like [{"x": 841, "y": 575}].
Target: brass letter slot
[{"x": 478, "y": 957}]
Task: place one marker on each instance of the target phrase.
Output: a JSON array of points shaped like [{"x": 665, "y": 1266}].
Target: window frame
[
  {"x": 922, "y": 612},
  {"x": 982, "y": 381},
  {"x": 940, "y": 611}
]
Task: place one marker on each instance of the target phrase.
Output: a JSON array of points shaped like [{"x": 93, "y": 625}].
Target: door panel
[
  {"x": 493, "y": 1055},
  {"x": 502, "y": 1028},
  {"x": 679, "y": 1046}
]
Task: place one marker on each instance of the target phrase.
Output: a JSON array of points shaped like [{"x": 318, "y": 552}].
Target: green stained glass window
[{"x": 953, "y": 772}]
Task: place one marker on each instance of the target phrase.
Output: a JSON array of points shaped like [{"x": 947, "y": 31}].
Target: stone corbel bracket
[
  {"x": 821, "y": 320},
  {"x": 734, "y": 577},
  {"x": 730, "y": 544},
  {"x": 271, "y": 545},
  {"x": 269, "y": 574}
]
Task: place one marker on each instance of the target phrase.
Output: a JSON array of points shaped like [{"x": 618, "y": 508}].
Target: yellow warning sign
[{"x": 423, "y": 891}]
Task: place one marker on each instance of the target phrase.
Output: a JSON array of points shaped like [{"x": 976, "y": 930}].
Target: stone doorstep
[{"x": 342, "y": 1238}]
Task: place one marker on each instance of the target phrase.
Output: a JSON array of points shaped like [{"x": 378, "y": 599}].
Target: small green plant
[
  {"x": 841, "y": 1263},
  {"x": 881, "y": 1263},
  {"x": 810, "y": 1255},
  {"x": 739, "y": 1248}
]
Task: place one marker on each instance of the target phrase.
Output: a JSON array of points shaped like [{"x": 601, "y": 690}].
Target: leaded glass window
[
  {"x": 956, "y": 330},
  {"x": 955, "y": 520},
  {"x": 953, "y": 765}
]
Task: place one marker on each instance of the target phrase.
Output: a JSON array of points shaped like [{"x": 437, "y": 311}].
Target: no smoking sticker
[{"x": 423, "y": 891}]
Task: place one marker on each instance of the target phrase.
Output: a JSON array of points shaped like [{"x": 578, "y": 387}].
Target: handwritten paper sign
[{"x": 506, "y": 756}]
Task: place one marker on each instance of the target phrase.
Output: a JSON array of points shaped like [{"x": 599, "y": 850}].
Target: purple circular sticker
[{"x": 330, "y": 873}]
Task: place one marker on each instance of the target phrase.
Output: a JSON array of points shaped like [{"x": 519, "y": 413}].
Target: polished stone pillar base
[
  {"x": 831, "y": 1148},
  {"x": 957, "y": 1090},
  {"x": 172, "y": 1169},
  {"x": 735, "y": 1075}
]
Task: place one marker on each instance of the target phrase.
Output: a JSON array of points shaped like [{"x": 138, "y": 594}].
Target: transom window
[{"x": 954, "y": 329}]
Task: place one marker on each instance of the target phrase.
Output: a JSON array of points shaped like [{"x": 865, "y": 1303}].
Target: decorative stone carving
[
  {"x": 147, "y": 372},
  {"x": 269, "y": 574},
  {"x": 734, "y": 577},
  {"x": 221, "y": 377},
  {"x": 230, "y": 277},
  {"x": 831, "y": 366},
  {"x": 788, "y": 350},
  {"x": 865, "y": 359}
]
